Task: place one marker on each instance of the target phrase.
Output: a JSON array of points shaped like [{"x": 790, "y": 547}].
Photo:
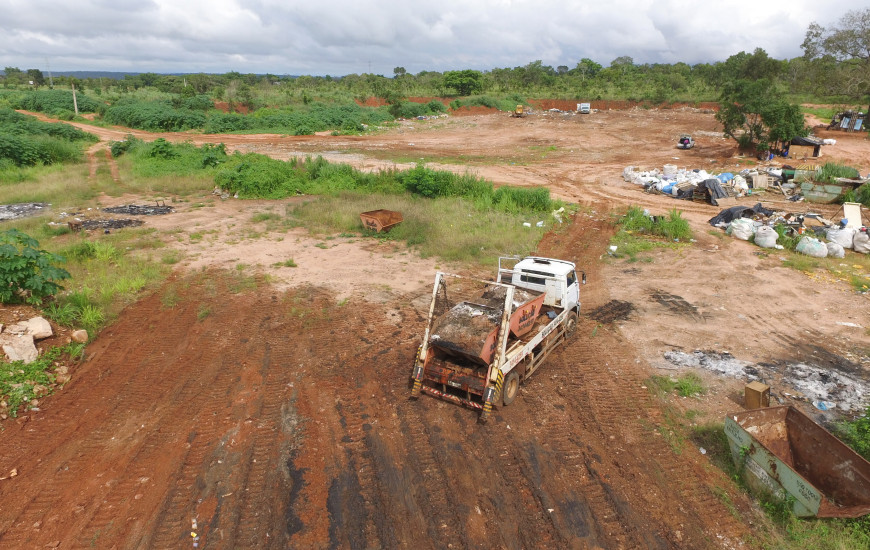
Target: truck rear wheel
[{"x": 511, "y": 388}]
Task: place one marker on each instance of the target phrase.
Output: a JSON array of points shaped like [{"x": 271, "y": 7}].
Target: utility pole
[
  {"x": 50, "y": 80},
  {"x": 75, "y": 102}
]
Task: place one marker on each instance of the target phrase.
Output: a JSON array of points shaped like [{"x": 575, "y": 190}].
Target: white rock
[
  {"x": 18, "y": 347},
  {"x": 39, "y": 328}
]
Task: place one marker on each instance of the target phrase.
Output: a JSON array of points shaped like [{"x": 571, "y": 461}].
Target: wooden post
[{"x": 75, "y": 102}]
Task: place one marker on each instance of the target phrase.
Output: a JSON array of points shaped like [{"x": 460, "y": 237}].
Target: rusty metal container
[
  {"x": 783, "y": 451},
  {"x": 470, "y": 328},
  {"x": 381, "y": 220}
]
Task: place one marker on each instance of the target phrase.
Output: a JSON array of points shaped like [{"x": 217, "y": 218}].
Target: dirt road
[
  {"x": 265, "y": 418},
  {"x": 283, "y": 421}
]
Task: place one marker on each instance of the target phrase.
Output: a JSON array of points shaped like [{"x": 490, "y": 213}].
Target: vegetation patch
[
  {"x": 25, "y": 141},
  {"x": 641, "y": 232},
  {"x": 451, "y": 228}
]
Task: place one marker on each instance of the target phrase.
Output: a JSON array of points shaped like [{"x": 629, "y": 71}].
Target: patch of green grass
[
  {"x": 21, "y": 383},
  {"x": 453, "y": 229},
  {"x": 802, "y": 262},
  {"x": 641, "y": 233},
  {"x": 195, "y": 237},
  {"x": 830, "y": 171},
  {"x": 687, "y": 385},
  {"x": 202, "y": 312},
  {"x": 265, "y": 216},
  {"x": 171, "y": 257},
  {"x": 170, "y": 298},
  {"x": 286, "y": 263}
]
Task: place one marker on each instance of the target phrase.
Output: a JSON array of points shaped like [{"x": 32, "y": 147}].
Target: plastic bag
[
  {"x": 766, "y": 236},
  {"x": 835, "y": 250},
  {"x": 812, "y": 247},
  {"x": 842, "y": 237},
  {"x": 861, "y": 242},
  {"x": 741, "y": 228}
]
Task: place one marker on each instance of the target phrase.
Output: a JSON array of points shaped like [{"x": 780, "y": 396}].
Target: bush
[
  {"x": 25, "y": 270},
  {"x": 156, "y": 115},
  {"x": 226, "y": 123},
  {"x": 51, "y": 101},
  {"x": 830, "y": 171},
  {"x": 673, "y": 227},
  {"x": 856, "y": 434}
]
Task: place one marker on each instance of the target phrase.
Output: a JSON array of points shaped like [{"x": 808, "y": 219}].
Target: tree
[
  {"x": 25, "y": 270},
  {"x": 13, "y": 75},
  {"x": 35, "y": 76},
  {"x": 757, "y": 116},
  {"x": 465, "y": 82},
  {"x": 399, "y": 72},
  {"x": 849, "y": 42},
  {"x": 623, "y": 64},
  {"x": 587, "y": 68}
]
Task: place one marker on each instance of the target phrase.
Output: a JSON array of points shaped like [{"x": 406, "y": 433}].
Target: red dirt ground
[{"x": 277, "y": 418}]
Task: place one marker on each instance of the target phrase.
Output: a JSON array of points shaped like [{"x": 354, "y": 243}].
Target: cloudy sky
[{"x": 339, "y": 37}]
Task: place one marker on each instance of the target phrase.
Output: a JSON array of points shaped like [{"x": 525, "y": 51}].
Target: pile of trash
[
  {"x": 820, "y": 237},
  {"x": 21, "y": 210},
  {"x": 698, "y": 184}
]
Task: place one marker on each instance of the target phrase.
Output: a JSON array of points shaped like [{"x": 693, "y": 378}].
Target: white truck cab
[{"x": 556, "y": 278}]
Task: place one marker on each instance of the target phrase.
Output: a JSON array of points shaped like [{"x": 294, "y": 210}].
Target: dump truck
[{"x": 485, "y": 338}]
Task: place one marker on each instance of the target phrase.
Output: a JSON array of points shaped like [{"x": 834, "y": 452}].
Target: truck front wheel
[
  {"x": 571, "y": 324},
  {"x": 511, "y": 388}
]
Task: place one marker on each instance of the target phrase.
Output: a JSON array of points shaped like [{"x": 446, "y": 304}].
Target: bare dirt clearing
[{"x": 279, "y": 417}]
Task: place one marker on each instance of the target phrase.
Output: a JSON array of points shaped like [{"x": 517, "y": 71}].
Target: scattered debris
[
  {"x": 21, "y": 210},
  {"x": 811, "y": 383},
  {"x": 612, "y": 311},
  {"x": 139, "y": 210},
  {"x": 110, "y": 223}
]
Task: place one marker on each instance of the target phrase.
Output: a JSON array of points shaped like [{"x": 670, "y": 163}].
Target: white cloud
[{"x": 344, "y": 36}]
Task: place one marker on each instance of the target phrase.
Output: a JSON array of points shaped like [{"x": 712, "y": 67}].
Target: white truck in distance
[{"x": 484, "y": 338}]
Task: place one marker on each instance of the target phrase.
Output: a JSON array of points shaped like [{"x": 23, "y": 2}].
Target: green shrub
[
  {"x": 25, "y": 270},
  {"x": 856, "y": 433},
  {"x": 673, "y": 227},
  {"x": 52, "y": 101},
  {"x": 155, "y": 116},
  {"x": 227, "y": 122},
  {"x": 160, "y": 148},
  {"x": 830, "y": 171},
  {"x": 861, "y": 194}
]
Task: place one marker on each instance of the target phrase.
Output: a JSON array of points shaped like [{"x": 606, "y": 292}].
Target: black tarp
[
  {"x": 713, "y": 190},
  {"x": 729, "y": 214}
]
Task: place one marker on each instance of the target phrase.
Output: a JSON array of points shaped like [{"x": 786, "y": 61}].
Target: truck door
[{"x": 573, "y": 290}]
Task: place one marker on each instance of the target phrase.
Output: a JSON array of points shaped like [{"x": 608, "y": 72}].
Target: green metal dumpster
[{"x": 783, "y": 451}]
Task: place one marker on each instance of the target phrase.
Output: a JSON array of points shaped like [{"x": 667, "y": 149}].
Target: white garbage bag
[
  {"x": 835, "y": 250},
  {"x": 741, "y": 228},
  {"x": 842, "y": 237},
  {"x": 812, "y": 247},
  {"x": 861, "y": 242},
  {"x": 766, "y": 236}
]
